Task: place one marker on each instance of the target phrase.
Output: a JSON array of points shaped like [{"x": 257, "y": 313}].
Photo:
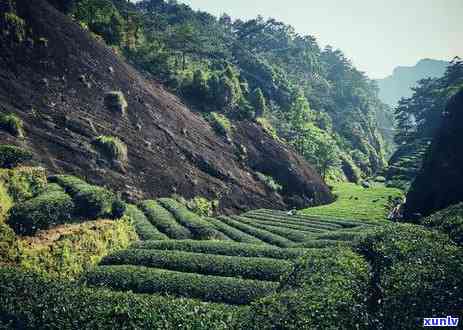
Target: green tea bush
[
  {"x": 200, "y": 228},
  {"x": 75, "y": 249},
  {"x": 347, "y": 235},
  {"x": 291, "y": 234},
  {"x": 201, "y": 263},
  {"x": 416, "y": 273},
  {"x": 24, "y": 183},
  {"x": 9, "y": 248},
  {"x": 144, "y": 228},
  {"x": 49, "y": 209},
  {"x": 325, "y": 290},
  {"x": 11, "y": 156},
  {"x": 116, "y": 102},
  {"x": 31, "y": 302},
  {"x": 322, "y": 243},
  {"x": 449, "y": 221},
  {"x": 164, "y": 220},
  {"x": 221, "y": 248},
  {"x": 92, "y": 202},
  {"x": 205, "y": 287},
  {"x": 277, "y": 220},
  {"x": 112, "y": 147},
  {"x": 263, "y": 235},
  {"x": 233, "y": 233},
  {"x": 12, "y": 124}
]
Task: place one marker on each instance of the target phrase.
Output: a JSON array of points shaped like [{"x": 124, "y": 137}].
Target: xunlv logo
[{"x": 441, "y": 321}]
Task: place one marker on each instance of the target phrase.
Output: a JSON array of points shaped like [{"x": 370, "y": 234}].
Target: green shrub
[
  {"x": 233, "y": 233},
  {"x": 200, "y": 228},
  {"x": 207, "y": 264},
  {"x": 47, "y": 210},
  {"x": 291, "y": 234},
  {"x": 144, "y": 228},
  {"x": 269, "y": 182},
  {"x": 261, "y": 234},
  {"x": 202, "y": 206},
  {"x": 15, "y": 27},
  {"x": 112, "y": 147},
  {"x": 12, "y": 124},
  {"x": 221, "y": 248},
  {"x": 163, "y": 220},
  {"x": 416, "y": 273},
  {"x": 24, "y": 183},
  {"x": 289, "y": 220},
  {"x": 347, "y": 235},
  {"x": 449, "y": 221},
  {"x": 31, "y": 302},
  {"x": 92, "y": 202},
  {"x": 77, "y": 248},
  {"x": 8, "y": 245},
  {"x": 116, "y": 102},
  {"x": 322, "y": 243},
  {"x": 220, "y": 123},
  {"x": 11, "y": 156},
  {"x": 205, "y": 287},
  {"x": 324, "y": 290}
]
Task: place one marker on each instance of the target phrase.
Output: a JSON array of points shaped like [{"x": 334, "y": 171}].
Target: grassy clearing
[{"x": 356, "y": 202}]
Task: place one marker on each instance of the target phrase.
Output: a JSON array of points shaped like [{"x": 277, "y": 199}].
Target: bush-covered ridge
[{"x": 205, "y": 287}]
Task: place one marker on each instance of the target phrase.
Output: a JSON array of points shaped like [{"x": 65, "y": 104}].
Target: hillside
[
  {"x": 439, "y": 183},
  {"x": 54, "y": 77},
  {"x": 400, "y": 83}
]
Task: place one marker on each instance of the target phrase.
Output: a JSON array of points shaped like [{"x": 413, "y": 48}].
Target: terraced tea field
[{"x": 231, "y": 260}]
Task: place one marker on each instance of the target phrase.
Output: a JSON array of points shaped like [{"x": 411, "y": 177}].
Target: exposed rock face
[
  {"x": 440, "y": 182},
  {"x": 170, "y": 149}
]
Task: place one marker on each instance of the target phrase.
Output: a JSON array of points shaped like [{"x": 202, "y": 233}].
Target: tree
[{"x": 259, "y": 103}]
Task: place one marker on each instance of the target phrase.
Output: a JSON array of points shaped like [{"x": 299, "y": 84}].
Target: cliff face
[
  {"x": 55, "y": 76},
  {"x": 440, "y": 181}
]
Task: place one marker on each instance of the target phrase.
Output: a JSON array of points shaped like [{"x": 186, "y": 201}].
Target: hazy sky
[{"x": 377, "y": 35}]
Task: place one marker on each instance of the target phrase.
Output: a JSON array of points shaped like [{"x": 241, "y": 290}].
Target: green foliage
[
  {"x": 325, "y": 289},
  {"x": 32, "y": 302},
  {"x": 12, "y": 124},
  {"x": 23, "y": 183},
  {"x": 11, "y": 156},
  {"x": 200, "y": 228},
  {"x": 77, "y": 248},
  {"x": 449, "y": 221},
  {"x": 220, "y": 123},
  {"x": 48, "y": 209},
  {"x": 9, "y": 248},
  {"x": 269, "y": 182},
  {"x": 264, "y": 269},
  {"x": 163, "y": 220},
  {"x": 415, "y": 274},
  {"x": 102, "y": 18},
  {"x": 116, "y": 102},
  {"x": 143, "y": 227},
  {"x": 91, "y": 202},
  {"x": 221, "y": 248},
  {"x": 202, "y": 206},
  {"x": 205, "y": 287},
  {"x": 261, "y": 234},
  {"x": 233, "y": 233},
  {"x": 112, "y": 147},
  {"x": 259, "y": 103},
  {"x": 15, "y": 27}
]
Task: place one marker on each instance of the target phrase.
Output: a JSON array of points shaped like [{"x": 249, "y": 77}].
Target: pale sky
[{"x": 377, "y": 35}]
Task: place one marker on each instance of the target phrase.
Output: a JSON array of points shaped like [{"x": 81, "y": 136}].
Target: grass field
[{"x": 355, "y": 202}]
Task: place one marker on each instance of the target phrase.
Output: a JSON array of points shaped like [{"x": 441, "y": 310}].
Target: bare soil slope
[{"x": 55, "y": 80}]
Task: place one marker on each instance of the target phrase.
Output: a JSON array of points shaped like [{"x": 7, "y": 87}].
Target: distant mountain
[{"x": 399, "y": 84}]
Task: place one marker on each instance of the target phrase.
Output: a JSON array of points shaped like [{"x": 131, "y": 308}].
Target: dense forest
[{"x": 260, "y": 70}]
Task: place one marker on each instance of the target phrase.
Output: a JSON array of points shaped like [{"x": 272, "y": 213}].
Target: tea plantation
[{"x": 163, "y": 266}]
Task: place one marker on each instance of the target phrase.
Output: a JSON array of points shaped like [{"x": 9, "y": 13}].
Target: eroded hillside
[{"x": 54, "y": 76}]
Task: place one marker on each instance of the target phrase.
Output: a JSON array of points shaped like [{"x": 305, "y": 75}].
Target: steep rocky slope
[
  {"x": 440, "y": 182},
  {"x": 54, "y": 76}
]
